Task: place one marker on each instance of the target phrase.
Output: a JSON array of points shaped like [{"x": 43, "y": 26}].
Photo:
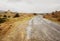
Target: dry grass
[
  {"x": 4, "y": 27},
  {"x": 54, "y": 16}
]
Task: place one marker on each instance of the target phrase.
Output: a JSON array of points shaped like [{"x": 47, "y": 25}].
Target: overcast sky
[{"x": 30, "y": 6}]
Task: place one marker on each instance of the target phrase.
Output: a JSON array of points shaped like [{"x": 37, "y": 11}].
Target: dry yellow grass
[
  {"x": 7, "y": 25},
  {"x": 54, "y": 16}
]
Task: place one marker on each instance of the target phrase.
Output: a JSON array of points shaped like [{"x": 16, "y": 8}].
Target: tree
[{"x": 16, "y": 15}]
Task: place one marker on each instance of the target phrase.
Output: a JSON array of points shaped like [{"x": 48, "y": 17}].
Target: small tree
[{"x": 17, "y": 15}]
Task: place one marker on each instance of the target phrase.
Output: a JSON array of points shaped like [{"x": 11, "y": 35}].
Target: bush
[
  {"x": 52, "y": 13},
  {"x": 17, "y": 15},
  {"x": 8, "y": 16},
  {"x": 34, "y": 14},
  {"x": 2, "y": 20},
  {"x": 5, "y": 12},
  {"x": 4, "y": 16}
]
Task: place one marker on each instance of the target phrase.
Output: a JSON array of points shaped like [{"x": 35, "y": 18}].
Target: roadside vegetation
[
  {"x": 2, "y": 20},
  {"x": 17, "y": 15},
  {"x": 54, "y": 16}
]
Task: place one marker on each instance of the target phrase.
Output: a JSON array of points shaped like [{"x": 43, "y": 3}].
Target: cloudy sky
[{"x": 30, "y": 6}]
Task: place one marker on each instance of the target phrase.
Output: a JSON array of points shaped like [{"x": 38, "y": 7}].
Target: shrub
[
  {"x": 5, "y": 12},
  {"x": 4, "y": 16},
  {"x": 8, "y": 16},
  {"x": 52, "y": 13},
  {"x": 34, "y": 14},
  {"x": 17, "y": 15},
  {"x": 2, "y": 20}
]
